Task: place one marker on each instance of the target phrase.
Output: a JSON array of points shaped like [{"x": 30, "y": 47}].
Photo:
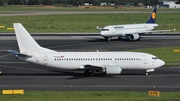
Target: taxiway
[{"x": 22, "y": 75}]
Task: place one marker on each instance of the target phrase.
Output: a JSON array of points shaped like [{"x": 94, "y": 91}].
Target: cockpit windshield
[
  {"x": 154, "y": 58},
  {"x": 105, "y": 30}
]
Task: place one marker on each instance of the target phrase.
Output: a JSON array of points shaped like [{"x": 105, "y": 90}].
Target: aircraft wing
[
  {"x": 164, "y": 30},
  {"x": 152, "y": 31},
  {"x": 158, "y": 31},
  {"x": 97, "y": 67},
  {"x": 108, "y": 68},
  {"x": 91, "y": 67}
]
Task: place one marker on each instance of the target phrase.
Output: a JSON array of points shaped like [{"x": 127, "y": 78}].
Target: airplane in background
[
  {"x": 131, "y": 31},
  {"x": 89, "y": 62}
]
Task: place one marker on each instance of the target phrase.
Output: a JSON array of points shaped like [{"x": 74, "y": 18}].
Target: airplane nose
[
  {"x": 102, "y": 33},
  {"x": 161, "y": 63}
]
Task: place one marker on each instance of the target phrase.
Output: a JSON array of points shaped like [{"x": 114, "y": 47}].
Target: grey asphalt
[
  {"x": 21, "y": 75},
  {"x": 28, "y": 13}
]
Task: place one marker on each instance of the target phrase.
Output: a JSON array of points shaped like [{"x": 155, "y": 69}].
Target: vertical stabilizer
[
  {"x": 27, "y": 45},
  {"x": 152, "y": 16}
]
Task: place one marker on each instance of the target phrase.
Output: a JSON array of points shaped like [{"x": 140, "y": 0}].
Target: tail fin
[
  {"x": 152, "y": 16},
  {"x": 27, "y": 45}
]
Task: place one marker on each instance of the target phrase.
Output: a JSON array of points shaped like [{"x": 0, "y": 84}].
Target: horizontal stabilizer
[
  {"x": 18, "y": 53},
  {"x": 13, "y": 52}
]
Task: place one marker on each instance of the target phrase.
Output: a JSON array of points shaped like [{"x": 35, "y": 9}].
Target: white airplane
[
  {"x": 130, "y": 31},
  {"x": 89, "y": 62}
]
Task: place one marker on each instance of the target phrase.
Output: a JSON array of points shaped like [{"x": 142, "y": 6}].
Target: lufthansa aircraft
[
  {"x": 89, "y": 62},
  {"x": 130, "y": 31}
]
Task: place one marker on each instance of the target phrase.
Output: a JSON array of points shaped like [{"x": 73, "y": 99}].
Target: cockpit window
[
  {"x": 105, "y": 30},
  {"x": 154, "y": 58}
]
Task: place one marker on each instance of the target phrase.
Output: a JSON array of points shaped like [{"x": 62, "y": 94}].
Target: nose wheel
[
  {"x": 147, "y": 71},
  {"x": 109, "y": 39}
]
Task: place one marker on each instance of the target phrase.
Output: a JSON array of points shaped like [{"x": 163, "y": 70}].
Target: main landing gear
[
  {"x": 88, "y": 73},
  {"x": 119, "y": 38}
]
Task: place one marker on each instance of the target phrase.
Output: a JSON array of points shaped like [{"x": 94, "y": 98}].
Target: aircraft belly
[
  {"x": 129, "y": 65},
  {"x": 65, "y": 65}
]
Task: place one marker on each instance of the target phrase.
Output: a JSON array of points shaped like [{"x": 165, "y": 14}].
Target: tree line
[{"x": 78, "y": 2}]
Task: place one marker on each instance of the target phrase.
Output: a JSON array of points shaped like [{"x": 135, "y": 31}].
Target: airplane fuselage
[
  {"x": 123, "y": 30},
  {"x": 76, "y": 60}
]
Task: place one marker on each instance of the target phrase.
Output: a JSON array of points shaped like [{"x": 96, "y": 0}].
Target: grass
[
  {"x": 80, "y": 23},
  {"x": 165, "y": 53},
  {"x": 90, "y": 96}
]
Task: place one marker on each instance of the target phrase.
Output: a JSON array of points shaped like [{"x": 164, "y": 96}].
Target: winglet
[
  {"x": 152, "y": 16},
  {"x": 174, "y": 29},
  {"x": 99, "y": 28}
]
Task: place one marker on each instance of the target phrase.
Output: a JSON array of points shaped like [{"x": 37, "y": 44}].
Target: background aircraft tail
[
  {"x": 152, "y": 16},
  {"x": 27, "y": 45}
]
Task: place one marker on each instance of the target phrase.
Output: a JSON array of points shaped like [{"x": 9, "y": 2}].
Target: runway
[{"x": 21, "y": 75}]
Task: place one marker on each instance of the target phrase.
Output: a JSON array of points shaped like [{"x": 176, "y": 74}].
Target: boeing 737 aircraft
[
  {"x": 130, "y": 31},
  {"x": 89, "y": 62}
]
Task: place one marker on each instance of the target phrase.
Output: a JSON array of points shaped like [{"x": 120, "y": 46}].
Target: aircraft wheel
[
  {"x": 146, "y": 73},
  {"x": 106, "y": 38},
  {"x": 88, "y": 73},
  {"x": 119, "y": 38},
  {"x": 109, "y": 39}
]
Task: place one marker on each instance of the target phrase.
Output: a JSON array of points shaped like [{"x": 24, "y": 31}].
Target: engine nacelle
[
  {"x": 134, "y": 36},
  {"x": 112, "y": 70}
]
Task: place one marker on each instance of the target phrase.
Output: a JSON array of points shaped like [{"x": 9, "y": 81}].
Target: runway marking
[
  {"x": 3, "y": 50},
  {"x": 5, "y": 55},
  {"x": 22, "y": 68}
]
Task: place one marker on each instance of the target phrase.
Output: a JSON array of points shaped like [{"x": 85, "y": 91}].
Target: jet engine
[
  {"x": 112, "y": 70},
  {"x": 134, "y": 36}
]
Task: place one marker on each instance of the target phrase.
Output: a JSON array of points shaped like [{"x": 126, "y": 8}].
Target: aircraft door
[
  {"x": 45, "y": 60},
  {"x": 145, "y": 59}
]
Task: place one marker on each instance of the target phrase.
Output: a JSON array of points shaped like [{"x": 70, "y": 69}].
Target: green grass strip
[
  {"x": 80, "y": 23},
  {"x": 165, "y": 53},
  {"x": 90, "y": 96}
]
